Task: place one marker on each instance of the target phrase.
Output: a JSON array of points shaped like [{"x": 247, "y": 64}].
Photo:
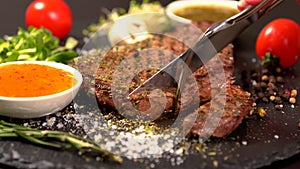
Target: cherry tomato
[
  {"x": 280, "y": 38},
  {"x": 54, "y": 15}
]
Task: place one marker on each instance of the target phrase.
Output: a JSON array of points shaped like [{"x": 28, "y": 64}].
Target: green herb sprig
[
  {"x": 36, "y": 44},
  {"x": 54, "y": 139}
]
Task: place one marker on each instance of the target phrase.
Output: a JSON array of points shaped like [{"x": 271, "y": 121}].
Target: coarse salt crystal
[
  {"x": 59, "y": 125},
  {"x": 244, "y": 143}
]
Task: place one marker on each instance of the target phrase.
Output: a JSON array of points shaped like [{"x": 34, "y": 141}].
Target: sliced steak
[
  {"x": 203, "y": 75},
  {"x": 218, "y": 118},
  {"x": 210, "y": 79},
  {"x": 206, "y": 89},
  {"x": 167, "y": 47}
]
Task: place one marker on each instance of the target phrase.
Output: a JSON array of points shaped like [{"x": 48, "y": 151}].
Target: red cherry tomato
[
  {"x": 281, "y": 38},
  {"x": 54, "y": 15}
]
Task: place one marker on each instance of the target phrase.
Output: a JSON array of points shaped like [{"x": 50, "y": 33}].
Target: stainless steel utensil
[{"x": 213, "y": 40}]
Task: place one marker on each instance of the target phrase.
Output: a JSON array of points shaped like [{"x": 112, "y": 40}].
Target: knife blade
[{"x": 213, "y": 40}]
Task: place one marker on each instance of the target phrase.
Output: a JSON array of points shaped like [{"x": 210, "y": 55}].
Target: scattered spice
[
  {"x": 268, "y": 86},
  {"x": 261, "y": 112},
  {"x": 293, "y": 93},
  {"x": 278, "y": 99},
  {"x": 215, "y": 163},
  {"x": 265, "y": 99},
  {"x": 279, "y": 79},
  {"x": 278, "y": 106},
  {"x": 265, "y": 78},
  {"x": 212, "y": 153},
  {"x": 292, "y": 100},
  {"x": 272, "y": 98}
]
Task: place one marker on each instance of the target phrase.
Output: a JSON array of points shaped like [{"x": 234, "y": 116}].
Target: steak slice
[
  {"x": 167, "y": 48},
  {"x": 209, "y": 78},
  {"x": 98, "y": 70},
  {"x": 204, "y": 81},
  {"x": 238, "y": 104},
  {"x": 114, "y": 57}
]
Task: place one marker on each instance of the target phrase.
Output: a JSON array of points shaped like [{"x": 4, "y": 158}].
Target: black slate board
[{"x": 262, "y": 147}]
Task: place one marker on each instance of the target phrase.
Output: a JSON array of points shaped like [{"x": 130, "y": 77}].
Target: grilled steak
[
  {"x": 118, "y": 53},
  {"x": 238, "y": 104},
  {"x": 203, "y": 75},
  {"x": 209, "y": 79},
  {"x": 203, "y": 79}
]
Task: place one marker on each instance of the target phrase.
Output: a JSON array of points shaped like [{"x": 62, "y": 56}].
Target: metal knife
[{"x": 213, "y": 40}]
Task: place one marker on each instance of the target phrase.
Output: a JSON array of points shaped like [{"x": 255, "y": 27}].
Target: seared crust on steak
[
  {"x": 98, "y": 73},
  {"x": 114, "y": 57},
  {"x": 238, "y": 104},
  {"x": 203, "y": 76},
  {"x": 118, "y": 53}
]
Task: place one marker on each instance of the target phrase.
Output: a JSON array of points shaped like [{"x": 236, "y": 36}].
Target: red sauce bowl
[{"x": 32, "y": 89}]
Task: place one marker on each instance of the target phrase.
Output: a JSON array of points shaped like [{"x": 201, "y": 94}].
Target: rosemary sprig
[{"x": 55, "y": 139}]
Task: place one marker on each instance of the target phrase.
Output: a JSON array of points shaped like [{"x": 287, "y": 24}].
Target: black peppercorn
[
  {"x": 260, "y": 95},
  {"x": 265, "y": 99},
  {"x": 285, "y": 97},
  {"x": 278, "y": 107},
  {"x": 265, "y": 71},
  {"x": 279, "y": 79},
  {"x": 278, "y": 100},
  {"x": 263, "y": 85}
]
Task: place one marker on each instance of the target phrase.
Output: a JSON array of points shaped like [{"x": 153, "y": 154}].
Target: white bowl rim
[
  {"x": 65, "y": 67},
  {"x": 231, "y": 3},
  {"x": 182, "y": 3}
]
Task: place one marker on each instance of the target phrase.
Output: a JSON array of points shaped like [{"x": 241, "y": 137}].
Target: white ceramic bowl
[
  {"x": 32, "y": 107},
  {"x": 222, "y": 9}
]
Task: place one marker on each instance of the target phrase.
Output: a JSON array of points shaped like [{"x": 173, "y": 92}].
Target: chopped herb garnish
[{"x": 36, "y": 44}]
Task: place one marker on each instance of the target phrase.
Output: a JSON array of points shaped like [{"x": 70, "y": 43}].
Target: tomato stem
[{"x": 270, "y": 60}]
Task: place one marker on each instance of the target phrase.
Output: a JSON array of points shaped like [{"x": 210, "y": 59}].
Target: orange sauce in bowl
[{"x": 32, "y": 80}]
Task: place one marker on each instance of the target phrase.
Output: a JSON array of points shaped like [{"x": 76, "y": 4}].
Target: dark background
[{"x": 87, "y": 12}]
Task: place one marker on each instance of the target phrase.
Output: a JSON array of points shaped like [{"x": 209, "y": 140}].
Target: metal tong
[{"x": 213, "y": 40}]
